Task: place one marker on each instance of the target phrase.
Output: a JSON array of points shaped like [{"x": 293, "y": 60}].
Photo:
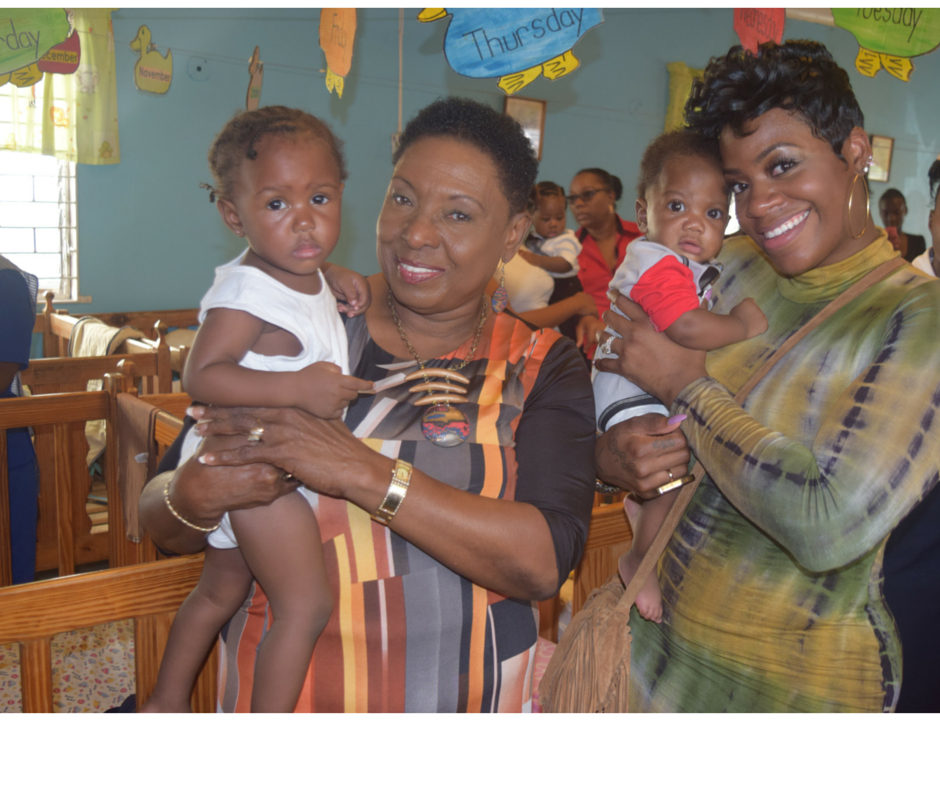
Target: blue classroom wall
[{"x": 150, "y": 239}]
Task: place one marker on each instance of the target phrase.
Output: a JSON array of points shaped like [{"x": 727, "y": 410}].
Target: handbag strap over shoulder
[{"x": 685, "y": 494}]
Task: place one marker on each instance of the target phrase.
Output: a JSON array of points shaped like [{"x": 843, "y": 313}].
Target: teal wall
[{"x": 149, "y": 238}]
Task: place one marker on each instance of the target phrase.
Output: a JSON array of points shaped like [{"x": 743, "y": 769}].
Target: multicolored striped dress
[
  {"x": 407, "y": 633},
  {"x": 772, "y": 583}
]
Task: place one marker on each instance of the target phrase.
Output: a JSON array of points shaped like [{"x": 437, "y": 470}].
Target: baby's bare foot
[{"x": 649, "y": 602}]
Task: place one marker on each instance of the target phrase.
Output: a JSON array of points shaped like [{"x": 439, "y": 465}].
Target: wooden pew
[
  {"x": 149, "y": 594},
  {"x": 56, "y": 326},
  {"x": 65, "y": 538},
  {"x": 63, "y": 375}
]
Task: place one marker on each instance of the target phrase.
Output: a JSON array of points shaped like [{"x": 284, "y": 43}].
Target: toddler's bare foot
[{"x": 649, "y": 602}]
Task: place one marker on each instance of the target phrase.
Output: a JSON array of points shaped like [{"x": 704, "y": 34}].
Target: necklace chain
[{"x": 422, "y": 364}]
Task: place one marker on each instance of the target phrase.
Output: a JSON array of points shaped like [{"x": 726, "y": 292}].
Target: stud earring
[{"x": 500, "y": 296}]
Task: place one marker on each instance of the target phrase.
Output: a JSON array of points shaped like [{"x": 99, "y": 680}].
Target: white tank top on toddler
[{"x": 313, "y": 319}]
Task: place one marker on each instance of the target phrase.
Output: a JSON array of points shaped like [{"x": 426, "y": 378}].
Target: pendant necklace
[{"x": 443, "y": 424}]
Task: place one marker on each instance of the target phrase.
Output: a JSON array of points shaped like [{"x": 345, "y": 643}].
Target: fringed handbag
[{"x": 590, "y": 669}]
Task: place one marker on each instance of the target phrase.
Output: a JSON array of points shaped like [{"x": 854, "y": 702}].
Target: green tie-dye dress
[{"x": 772, "y": 583}]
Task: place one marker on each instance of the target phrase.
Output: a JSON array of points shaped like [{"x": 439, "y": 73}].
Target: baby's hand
[
  {"x": 349, "y": 286},
  {"x": 749, "y": 313},
  {"x": 324, "y": 390}
]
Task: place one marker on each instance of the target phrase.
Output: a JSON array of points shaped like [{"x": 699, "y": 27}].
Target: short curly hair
[
  {"x": 497, "y": 135},
  {"x": 236, "y": 142},
  {"x": 797, "y": 76},
  {"x": 933, "y": 177},
  {"x": 611, "y": 182},
  {"x": 543, "y": 189},
  {"x": 670, "y": 145}
]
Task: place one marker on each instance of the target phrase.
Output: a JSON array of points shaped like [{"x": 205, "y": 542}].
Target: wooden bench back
[
  {"x": 65, "y": 534},
  {"x": 56, "y": 325},
  {"x": 149, "y": 594},
  {"x": 60, "y": 375}
]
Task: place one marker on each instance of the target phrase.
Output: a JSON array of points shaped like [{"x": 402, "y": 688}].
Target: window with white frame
[{"x": 39, "y": 221}]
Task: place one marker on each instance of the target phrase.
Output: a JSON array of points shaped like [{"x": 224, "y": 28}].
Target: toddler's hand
[
  {"x": 749, "y": 313},
  {"x": 349, "y": 286},
  {"x": 324, "y": 390}
]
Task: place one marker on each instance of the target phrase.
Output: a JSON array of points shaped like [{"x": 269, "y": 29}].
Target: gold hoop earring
[{"x": 867, "y": 206}]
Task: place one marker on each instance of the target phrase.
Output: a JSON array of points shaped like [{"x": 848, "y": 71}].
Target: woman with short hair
[
  {"x": 772, "y": 582},
  {"x": 448, "y": 503}
]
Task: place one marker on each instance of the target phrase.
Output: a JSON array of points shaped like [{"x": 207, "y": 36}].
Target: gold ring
[
  {"x": 675, "y": 484},
  {"x": 255, "y": 434},
  {"x": 288, "y": 477},
  {"x": 671, "y": 477}
]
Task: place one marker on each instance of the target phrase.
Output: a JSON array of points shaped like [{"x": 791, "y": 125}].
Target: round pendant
[{"x": 444, "y": 425}]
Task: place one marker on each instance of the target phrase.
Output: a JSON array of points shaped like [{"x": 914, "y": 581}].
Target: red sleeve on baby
[{"x": 666, "y": 291}]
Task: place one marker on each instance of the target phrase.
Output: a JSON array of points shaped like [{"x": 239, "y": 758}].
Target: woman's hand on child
[
  {"x": 323, "y": 389},
  {"x": 348, "y": 286},
  {"x": 749, "y": 313},
  {"x": 319, "y": 453},
  {"x": 634, "y": 454}
]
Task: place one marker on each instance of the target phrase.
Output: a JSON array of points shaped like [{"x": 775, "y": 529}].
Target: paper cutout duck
[
  {"x": 337, "y": 35},
  {"x": 153, "y": 72},
  {"x": 889, "y": 37},
  {"x": 514, "y": 44}
]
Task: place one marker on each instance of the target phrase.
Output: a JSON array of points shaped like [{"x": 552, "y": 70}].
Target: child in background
[
  {"x": 270, "y": 336},
  {"x": 553, "y": 248},
  {"x": 550, "y": 245},
  {"x": 682, "y": 208}
]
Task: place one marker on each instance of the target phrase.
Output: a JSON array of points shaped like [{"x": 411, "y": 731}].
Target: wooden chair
[{"x": 149, "y": 594}]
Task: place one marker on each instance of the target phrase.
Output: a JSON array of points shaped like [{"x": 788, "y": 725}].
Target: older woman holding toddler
[
  {"x": 772, "y": 582},
  {"x": 488, "y": 446}
]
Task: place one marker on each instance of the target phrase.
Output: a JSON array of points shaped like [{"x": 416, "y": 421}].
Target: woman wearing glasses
[{"x": 604, "y": 237}]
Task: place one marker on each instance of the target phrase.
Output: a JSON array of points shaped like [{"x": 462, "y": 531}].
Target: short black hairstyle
[
  {"x": 543, "y": 189},
  {"x": 611, "y": 182},
  {"x": 236, "y": 142},
  {"x": 797, "y": 76},
  {"x": 497, "y": 135},
  {"x": 933, "y": 176},
  {"x": 891, "y": 194},
  {"x": 670, "y": 145}
]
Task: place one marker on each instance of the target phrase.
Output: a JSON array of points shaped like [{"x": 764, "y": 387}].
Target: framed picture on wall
[
  {"x": 881, "y": 148},
  {"x": 531, "y": 116}
]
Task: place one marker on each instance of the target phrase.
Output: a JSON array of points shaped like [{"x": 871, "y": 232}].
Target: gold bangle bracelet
[
  {"x": 397, "y": 488},
  {"x": 183, "y": 520}
]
